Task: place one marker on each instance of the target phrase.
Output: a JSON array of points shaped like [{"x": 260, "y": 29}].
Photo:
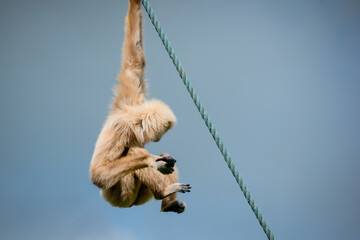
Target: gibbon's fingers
[
  {"x": 170, "y": 161},
  {"x": 165, "y": 164},
  {"x": 162, "y": 167}
]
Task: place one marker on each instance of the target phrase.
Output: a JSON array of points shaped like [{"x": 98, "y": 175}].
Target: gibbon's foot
[
  {"x": 175, "y": 206},
  {"x": 176, "y": 187},
  {"x": 165, "y": 164}
]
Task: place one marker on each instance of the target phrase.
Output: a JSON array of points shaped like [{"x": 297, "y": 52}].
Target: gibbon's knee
[
  {"x": 106, "y": 173},
  {"x": 124, "y": 193}
]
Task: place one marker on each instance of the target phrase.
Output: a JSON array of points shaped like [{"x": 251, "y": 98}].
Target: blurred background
[{"x": 280, "y": 80}]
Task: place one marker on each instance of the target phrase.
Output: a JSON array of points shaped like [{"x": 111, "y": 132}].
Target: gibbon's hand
[{"x": 165, "y": 164}]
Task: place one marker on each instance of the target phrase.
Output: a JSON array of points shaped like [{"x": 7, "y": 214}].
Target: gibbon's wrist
[{"x": 152, "y": 163}]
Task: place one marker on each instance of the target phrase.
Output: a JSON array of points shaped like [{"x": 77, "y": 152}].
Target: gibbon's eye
[{"x": 125, "y": 152}]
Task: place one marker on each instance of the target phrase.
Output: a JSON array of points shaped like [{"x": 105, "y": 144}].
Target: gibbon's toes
[
  {"x": 175, "y": 206},
  {"x": 184, "y": 188}
]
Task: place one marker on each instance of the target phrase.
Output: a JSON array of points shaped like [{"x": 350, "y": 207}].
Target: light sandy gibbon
[{"x": 126, "y": 173}]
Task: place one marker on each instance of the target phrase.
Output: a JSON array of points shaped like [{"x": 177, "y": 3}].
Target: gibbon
[{"x": 121, "y": 167}]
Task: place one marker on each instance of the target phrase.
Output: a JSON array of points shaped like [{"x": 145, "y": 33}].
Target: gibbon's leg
[
  {"x": 132, "y": 86},
  {"x": 106, "y": 174},
  {"x": 163, "y": 187},
  {"x": 144, "y": 195},
  {"x": 170, "y": 204},
  {"x": 124, "y": 193},
  {"x": 168, "y": 167}
]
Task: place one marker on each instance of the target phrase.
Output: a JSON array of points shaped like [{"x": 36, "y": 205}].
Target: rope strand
[{"x": 207, "y": 120}]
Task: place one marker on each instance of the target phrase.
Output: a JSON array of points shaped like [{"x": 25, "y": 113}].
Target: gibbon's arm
[
  {"x": 131, "y": 90},
  {"x": 106, "y": 173}
]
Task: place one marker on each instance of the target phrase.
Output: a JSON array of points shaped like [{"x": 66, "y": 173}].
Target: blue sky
[{"x": 280, "y": 81}]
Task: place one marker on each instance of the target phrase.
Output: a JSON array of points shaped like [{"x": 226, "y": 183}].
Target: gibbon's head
[{"x": 151, "y": 120}]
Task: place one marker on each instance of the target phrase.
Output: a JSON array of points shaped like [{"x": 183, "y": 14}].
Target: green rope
[{"x": 208, "y": 123}]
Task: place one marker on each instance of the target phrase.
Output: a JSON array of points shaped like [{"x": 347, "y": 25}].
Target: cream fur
[{"x": 121, "y": 167}]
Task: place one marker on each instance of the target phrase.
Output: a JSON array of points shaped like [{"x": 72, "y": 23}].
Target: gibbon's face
[
  {"x": 166, "y": 127},
  {"x": 154, "y": 129},
  {"x": 149, "y": 121},
  {"x": 156, "y": 119}
]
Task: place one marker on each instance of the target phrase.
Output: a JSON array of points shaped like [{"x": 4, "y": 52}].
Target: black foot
[
  {"x": 165, "y": 163},
  {"x": 175, "y": 206}
]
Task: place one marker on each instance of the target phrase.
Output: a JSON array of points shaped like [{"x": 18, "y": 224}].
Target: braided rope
[{"x": 206, "y": 118}]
